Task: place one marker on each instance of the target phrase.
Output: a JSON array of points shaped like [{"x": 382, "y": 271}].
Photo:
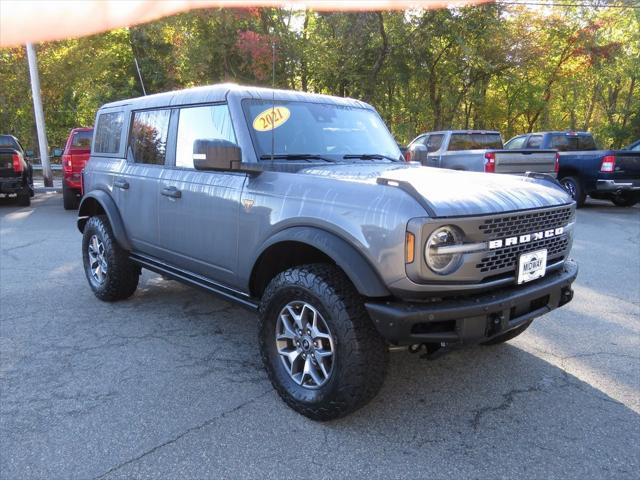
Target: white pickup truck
[{"x": 478, "y": 151}]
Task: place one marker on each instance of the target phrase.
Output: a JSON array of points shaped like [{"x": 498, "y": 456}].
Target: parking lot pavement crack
[
  {"x": 24, "y": 245},
  {"x": 507, "y": 400},
  {"x": 186, "y": 432}
]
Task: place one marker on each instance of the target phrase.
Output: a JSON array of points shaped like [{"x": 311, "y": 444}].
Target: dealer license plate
[{"x": 532, "y": 265}]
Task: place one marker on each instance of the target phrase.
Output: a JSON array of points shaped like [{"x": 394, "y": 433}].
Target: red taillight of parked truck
[
  {"x": 608, "y": 164},
  {"x": 556, "y": 166},
  {"x": 67, "y": 166},
  {"x": 17, "y": 164},
  {"x": 490, "y": 162}
]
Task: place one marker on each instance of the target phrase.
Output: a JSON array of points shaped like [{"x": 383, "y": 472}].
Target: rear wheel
[
  {"x": 574, "y": 188},
  {"x": 70, "y": 199},
  {"x": 24, "y": 198},
  {"x": 625, "y": 200},
  {"x": 111, "y": 275},
  {"x": 322, "y": 353}
]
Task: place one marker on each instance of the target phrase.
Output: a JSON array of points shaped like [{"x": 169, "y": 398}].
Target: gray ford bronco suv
[{"x": 300, "y": 207}]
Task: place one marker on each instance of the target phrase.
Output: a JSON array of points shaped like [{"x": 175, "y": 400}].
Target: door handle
[
  {"x": 121, "y": 184},
  {"x": 172, "y": 192}
]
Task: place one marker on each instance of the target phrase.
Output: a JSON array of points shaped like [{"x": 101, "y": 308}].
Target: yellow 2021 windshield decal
[{"x": 271, "y": 118}]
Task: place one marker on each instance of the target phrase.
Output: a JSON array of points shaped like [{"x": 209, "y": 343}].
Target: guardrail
[{"x": 55, "y": 167}]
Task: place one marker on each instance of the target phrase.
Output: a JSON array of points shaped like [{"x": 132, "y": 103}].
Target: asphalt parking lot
[{"x": 169, "y": 384}]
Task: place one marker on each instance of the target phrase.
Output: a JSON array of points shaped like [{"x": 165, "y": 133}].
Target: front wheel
[
  {"x": 111, "y": 275},
  {"x": 321, "y": 351}
]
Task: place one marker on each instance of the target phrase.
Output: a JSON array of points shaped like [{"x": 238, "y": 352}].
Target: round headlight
[{"x": 438, "y": 261}]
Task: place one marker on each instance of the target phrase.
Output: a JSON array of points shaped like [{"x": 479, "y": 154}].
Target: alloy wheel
[
  {"x": 97, "y": 259},
  {"x": 305, "y": 344}
]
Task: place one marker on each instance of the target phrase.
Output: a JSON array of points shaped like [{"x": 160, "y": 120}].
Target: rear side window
[
  {"x": 573, "y": 143},
  {"x": 514, "y": 143},
  {"x": 108, "y": 133},
  {"x": 148, "y": 138},
  {"x": 83, "y": 140},
  {"x": 535, "y": 141},
  {"x": 434, "y": 143},
  {"x": 208, "y": 122},
  {"x": 475, "y": 141}
]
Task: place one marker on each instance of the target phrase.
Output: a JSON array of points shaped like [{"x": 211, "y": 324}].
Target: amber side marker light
[{"x": 410, "y": 247}]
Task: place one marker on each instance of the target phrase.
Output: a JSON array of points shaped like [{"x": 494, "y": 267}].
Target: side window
[
  {"x": 108, "y": 132},
  {"x": 148, "y": 137},
  {"x": 434, "y": 143},
  {"x": 208, "y": 122},
  {"x": 534, "y": 141},
  {"x": 514, "y": 143}
]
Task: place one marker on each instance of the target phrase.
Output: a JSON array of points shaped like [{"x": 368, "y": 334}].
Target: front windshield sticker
[{"x": 271, "y": 119}]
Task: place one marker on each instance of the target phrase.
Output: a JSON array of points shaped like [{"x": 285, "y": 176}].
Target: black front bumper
[{"x": 475, "y": 318}]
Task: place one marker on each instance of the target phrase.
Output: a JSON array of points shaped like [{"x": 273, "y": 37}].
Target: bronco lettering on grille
[{"x": 532, "y": 237}]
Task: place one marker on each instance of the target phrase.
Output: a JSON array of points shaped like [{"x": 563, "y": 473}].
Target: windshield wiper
[
  {"x": 295, "y": 156},
  {"x": 370, "y": 156}
]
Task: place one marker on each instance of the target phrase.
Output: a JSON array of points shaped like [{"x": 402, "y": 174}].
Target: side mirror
[
  {"x": 221, "y": 155},
  {"x": 418, "y": 153},
  {"x": 57, "y": 152}
]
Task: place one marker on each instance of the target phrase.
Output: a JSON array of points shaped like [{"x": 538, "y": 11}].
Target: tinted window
[
  {"x": 517, "y": 142},
  {"x": 108, "y": 133},
  {"x": 475, "y": 141},
  {"x": 208, "y": 122},
  {"x": 148, "y": 138},
  {"x": 535, "y": 141},
  {"x": 636, "y": 148},
  {"x": 572, "y": 143},
  {"x": 82, "y": 139},
  {"x": 434, "y": 143},
  {"x": 317, "y": 129}
]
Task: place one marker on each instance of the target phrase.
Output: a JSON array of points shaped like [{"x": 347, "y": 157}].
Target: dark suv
[{"x": 301, "y": 208}]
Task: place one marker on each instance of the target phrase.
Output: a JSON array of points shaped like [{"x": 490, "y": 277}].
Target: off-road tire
[
  {"x": 24, "y": 198},
  {"x": 625, "y": 200},
  {"x": 574, "y": 187},
  {"x": 361, "y": 355},
  {"x": 122, "y": 275},
  {"x": 510, "y": 335},
  {"x": 69, "y": 198}
]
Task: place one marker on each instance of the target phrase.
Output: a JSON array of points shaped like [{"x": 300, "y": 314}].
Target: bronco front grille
[
  {"x": 523, "y": 223},
  {"x": 508, "y": 257}
]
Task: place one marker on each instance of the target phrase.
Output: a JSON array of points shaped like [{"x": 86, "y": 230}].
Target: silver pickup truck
[{"x": 478, "y": 151}]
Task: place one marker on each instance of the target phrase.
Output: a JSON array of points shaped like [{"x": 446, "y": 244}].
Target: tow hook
[
  {"x": 432, "y": 351},
  {"x": 566, "y": 296}
]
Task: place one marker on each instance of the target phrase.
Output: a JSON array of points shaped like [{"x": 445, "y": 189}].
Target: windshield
[
  {"x": 475, "y": 141},
  {"x": 327, "y": 130},
  {"x": 573, "y": 143}
]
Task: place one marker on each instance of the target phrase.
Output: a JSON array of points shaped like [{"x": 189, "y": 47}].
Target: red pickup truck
[{"x": 74, "y": 157}]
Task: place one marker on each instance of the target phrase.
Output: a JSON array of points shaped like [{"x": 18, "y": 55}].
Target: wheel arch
[
  {"x": 99, "y": 202},
  {"x": 303, "y": 245}
]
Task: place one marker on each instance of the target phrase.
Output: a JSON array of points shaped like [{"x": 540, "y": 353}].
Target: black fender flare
[
  {"x": 361, "y": 273},
  {"x": 88, "y": 209}
]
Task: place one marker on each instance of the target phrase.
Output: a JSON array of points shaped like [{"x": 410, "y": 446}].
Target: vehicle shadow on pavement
[{"x": 178, "y": 373}]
